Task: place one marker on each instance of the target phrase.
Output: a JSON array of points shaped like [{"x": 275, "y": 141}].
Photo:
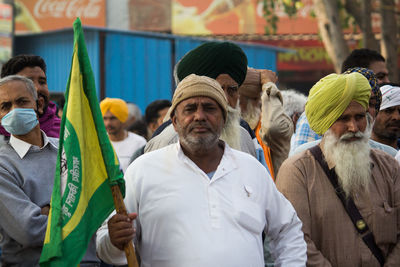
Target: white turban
[{"x": 390, "y": 96}]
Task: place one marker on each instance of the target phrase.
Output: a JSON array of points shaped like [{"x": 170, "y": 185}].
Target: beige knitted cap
[{"x": 194, "y": 85}]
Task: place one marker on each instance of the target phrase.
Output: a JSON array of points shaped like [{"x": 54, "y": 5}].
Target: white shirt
[
  {"x": 186, "y": 219},
  {"x": 125, "y": 148},
  {"x": 22, "y": 147}
]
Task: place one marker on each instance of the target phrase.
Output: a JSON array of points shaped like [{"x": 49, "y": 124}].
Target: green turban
[
  {"x": 212, "y": 59},
  {"x": 330, "y": 97}
]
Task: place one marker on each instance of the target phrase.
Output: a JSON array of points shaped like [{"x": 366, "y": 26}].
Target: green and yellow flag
[{"x": 86, "y": 168}]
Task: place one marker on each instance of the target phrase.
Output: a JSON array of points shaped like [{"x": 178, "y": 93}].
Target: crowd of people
[{"x": 230, "y": 172}]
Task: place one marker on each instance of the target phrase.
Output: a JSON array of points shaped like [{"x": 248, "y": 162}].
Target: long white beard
[
  {"x": 353, "y": 164},
  {"x": 252, "y": 115},
  {"x": 231, "y": 131}
]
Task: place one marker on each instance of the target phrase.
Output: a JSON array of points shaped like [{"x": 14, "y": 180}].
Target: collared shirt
[
  {"x": 331, "y": 237},
  {"x": 26, "y": 183},
  {"x": 303, "y": 134},
  {"x": 22, "y": 147},
  {"x": 187, "y": 219}
]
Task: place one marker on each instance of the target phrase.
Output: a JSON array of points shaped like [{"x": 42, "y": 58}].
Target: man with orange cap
[{"x": 115, "y": 113}]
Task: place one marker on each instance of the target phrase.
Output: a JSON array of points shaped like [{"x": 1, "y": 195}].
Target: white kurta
[
  {"x": 186, "y": 219},
  {"x": 125, "y": 148}
]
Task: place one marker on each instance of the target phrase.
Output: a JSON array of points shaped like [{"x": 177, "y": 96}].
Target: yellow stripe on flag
[{"x": 80, "y": 116}]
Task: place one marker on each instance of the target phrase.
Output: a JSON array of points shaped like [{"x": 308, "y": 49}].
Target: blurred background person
[
  {"x": 386, "y": 129},
  {"x": 293, "y": 106},
  {"x": 134, "y": 114},
  {"x": 262, "y": 108},
  {"x": 125, "y": 143},
  {"x": 154, "y": 116}
]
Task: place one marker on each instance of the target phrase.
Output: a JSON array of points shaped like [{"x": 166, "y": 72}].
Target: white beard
[
  {"x": 231, "y": 131},
  {"x": 252, "y": 115},
  {"x": 352, "y": 161}
]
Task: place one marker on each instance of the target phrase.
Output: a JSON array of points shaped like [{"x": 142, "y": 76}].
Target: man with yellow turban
[
  {"x": 346, "y": 194},
  {"x": 115, "y": 114}
]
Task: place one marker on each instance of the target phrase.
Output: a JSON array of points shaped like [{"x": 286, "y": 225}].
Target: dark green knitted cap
[{"x": 212, "y": 59}]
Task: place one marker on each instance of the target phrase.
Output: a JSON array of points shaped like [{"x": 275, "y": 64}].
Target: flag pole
[{"x": 121, "y": 209}]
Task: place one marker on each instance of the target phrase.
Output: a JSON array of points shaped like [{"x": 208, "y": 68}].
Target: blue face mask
[{"x": 20, "y": 121}]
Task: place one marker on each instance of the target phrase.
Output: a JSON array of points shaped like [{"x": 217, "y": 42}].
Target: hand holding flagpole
[{"x": 121, "y": 209}]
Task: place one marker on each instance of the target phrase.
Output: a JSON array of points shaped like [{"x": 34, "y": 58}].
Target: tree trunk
[
  {"x": 361, "y": 11},
  {"x": 369, "y": 40},
  {"x": 331, "y": 31},
  {"x": 389, "y": 37}
]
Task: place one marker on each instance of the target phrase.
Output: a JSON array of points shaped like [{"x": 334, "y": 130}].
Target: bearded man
[
  {"x": 227, "y": 64},
  {"x": 346, "y": 194},
  {"x": 261, "y": 107},
  {"x": 374, "y": 107},
  {"x": 198, "y": 202}
]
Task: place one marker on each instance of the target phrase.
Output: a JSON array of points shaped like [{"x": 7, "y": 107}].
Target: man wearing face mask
[
  {"x": 27, "y": 167},
  {"x": 34, "y": 68}
]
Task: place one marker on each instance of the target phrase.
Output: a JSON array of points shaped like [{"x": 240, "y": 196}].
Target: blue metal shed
[{"x": 134, "y": 66}]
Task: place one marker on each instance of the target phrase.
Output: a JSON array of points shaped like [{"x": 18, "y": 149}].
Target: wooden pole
[{"x": 121, "y": 209}]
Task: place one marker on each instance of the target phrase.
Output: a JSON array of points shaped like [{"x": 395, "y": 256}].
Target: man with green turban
[
  {"x": 346, "y": 194},
  {"x": 227, "y": 64}
]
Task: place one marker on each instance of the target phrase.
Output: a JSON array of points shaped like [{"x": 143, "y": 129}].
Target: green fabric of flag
[{"x": 86, "y": 168}]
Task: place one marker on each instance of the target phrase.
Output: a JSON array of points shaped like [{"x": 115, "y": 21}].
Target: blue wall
[
  {"x": 56, "y": 49},
  {"x": 137, "y": 66}
]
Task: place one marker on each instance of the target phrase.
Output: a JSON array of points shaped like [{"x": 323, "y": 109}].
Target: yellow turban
[
  {"x": 330, "y": 97},
  {"x": 116, "y": 106}
]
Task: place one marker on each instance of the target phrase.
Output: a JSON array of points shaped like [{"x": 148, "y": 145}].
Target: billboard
[
  {"x": 6, "y": 37},
  {"x": 45, "y": 15},
  {"x": 206, "y": 17}
]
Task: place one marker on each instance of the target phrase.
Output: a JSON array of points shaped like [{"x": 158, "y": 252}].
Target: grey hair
[
  {"x": 293, "y": 102},
  {"x": 134, "y": 111},
  {"x": 30, "y": 86}
]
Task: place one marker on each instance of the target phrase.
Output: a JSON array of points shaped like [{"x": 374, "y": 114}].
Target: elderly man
[
  {"x": 34, "y": 68},
  {"x": 227, "y": 64},
  {"x": 346, "y": 194},
  {"x": 386, "y": 128},
  {"x": 27, "y": 167},
  {"x": 199, "y": 202},
  {"x": 262, "y": 107},
  {"x": 115, "y": 114},
  {"x": 359, "y": 58},
  {"x": 373, "y": 108}
]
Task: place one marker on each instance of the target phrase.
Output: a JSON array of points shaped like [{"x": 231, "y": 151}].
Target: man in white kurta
[
  {"x": 115, "y": 115},
  {"x": 189, "y": 217}
]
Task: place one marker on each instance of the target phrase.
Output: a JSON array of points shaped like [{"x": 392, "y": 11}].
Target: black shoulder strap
[{"x": 349, "y": 206}]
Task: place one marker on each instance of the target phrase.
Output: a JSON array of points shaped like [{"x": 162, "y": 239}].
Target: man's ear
[
  {"x": 152, "y": 126},
  {"x": 173, "y": 119},
  {"x": 40, "y": 105}
]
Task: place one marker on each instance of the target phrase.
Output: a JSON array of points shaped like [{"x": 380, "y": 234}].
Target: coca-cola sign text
[{"x": 67, "y": 8}]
